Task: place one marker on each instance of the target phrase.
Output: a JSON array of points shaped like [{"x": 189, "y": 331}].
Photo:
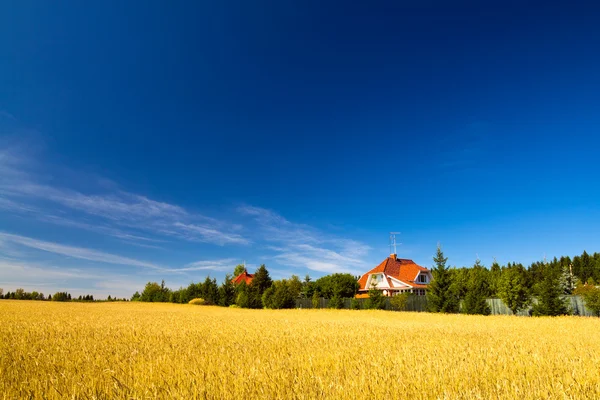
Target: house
[
  {"x": 395, "y": 275},
  {"x": 243, "y": 277}
]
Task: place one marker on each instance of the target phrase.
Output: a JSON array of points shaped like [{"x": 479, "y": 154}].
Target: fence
[
  {"x": 413, "y": 303},
  {"x": 419, "y": 304}
]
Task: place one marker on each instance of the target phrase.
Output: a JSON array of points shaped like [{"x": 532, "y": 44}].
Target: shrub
[
  {"x": 354, "y": 304},
  {"x": 336, "y": 302},
  {"x": 398, "y": 302},
  {"x": 197, "y": 302}
]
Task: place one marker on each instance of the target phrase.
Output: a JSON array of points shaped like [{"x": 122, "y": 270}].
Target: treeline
[
  {"x": 21, "y": 294},
  {"x": 262, "y": 292},
  {"x": 542, "y": 285}
]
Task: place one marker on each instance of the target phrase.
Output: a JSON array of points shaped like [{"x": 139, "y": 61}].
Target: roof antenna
[{"x": 393, "y": 242}]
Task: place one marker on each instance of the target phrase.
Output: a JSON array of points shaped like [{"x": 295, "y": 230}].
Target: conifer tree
[
  {"x": 440, "y": 297},
  {"x": 477, "y": 291},
  {"x": 550, "y": 301}
]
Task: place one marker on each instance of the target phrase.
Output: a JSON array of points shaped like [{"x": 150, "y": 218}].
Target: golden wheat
[{"x": 145, "y": 351}]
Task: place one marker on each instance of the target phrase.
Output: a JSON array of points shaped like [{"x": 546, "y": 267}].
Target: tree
[
  {"x": 308, "y": 287},
  {"x": 342, "y": 285},
  {"x": 210, "y": 291},
  {"x": 20, "y": 294},
  {"x": 295, "y": 287},
  {"x": 494, "y": 278},
  {"x": 242, "y": 299},
  {"x": 477, "y": 291},
  {"x": 153, "y": 292},
  {"x": 109, "y": 298},
  {"x": 316, "y": 300},
  {"x": 550, "y": 301},
  {"x": 439, "y": 296},
  {"x": 376, "y": 300},
  {"x": 60, "y": 296},
  {"x": 1, "y": 293},
  {"x": 261, "y": 282},
  {"x": 238, "y": 270},
  {"x": 591, "y": 298},
  {"x": 513, "y": 290},
  {"x": 282, "y": 294},
  {"x": 227, "y": 292}
]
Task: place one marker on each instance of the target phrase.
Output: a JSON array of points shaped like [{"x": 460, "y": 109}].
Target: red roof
[
  {"x": 400, "y": 268},
  {"x": 243, "y": 277}
]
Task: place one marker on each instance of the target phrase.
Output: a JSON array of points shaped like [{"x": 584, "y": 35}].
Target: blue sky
[{"x": 172, "y": 141}]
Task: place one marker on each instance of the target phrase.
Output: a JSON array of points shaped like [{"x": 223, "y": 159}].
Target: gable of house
[{"x": 396, "y": 274}]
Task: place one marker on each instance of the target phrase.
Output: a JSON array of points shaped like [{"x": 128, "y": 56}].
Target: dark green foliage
[
  {"x": 60, "y": 296},
  {"x": 336, "y": 302},
  {"x": 342, "y": 285},
  {"x": 242, "y": 299},
  {"x": 512, "y": 288},
  {"x": 550, "y": 300},
  {"x": 308, "y": 287},
  {"x": 440, "y": 297},
  {"x": 260, "y": 283},
  {"x": 354, "y": 304},
  {"x": 316, "y": 300},
  {"x": 238, "y": 270},
  {"x": 210, "y": 291},
  {"x": 591, "y": 296},
  {"x": 227, "y": 292},
  {"x": 153, "y": 292},
  {"x": 282, "y": 294},
  {"x": 376, "y": 300},
  {"x": 477, "y": 291}
]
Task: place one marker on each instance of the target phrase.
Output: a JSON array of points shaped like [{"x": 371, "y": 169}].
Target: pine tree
[
  {"x": 227, "y": 292},
  {"x": 440, "y": 297},
  {"x": 477, "y": 291},
  {"x": 261, "y": 282},
  {"x": 550, "y": 301}
]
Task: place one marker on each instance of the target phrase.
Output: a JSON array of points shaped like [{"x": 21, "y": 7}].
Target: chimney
[{"x": 393, "y": 256}]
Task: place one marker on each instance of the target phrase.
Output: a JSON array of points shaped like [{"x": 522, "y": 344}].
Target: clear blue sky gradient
[{"x": 173, "y": 139}]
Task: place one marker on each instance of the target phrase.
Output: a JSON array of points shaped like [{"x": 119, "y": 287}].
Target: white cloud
[
  {"x": 76, "y": 252},
  {"x": 223, "y": 265},
  {"x": 210, "y": 235},
  {"x": 20, "y": 190}
]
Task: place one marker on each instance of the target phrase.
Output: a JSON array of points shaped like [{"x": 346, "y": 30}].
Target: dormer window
[
  {"x": 376, "y": 279},
  {"x": 422, "y": 278}
]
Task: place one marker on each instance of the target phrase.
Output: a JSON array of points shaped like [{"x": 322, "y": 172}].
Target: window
[
  {"x": 422, "y": 278},
  {"x": 375, "y": 279}
]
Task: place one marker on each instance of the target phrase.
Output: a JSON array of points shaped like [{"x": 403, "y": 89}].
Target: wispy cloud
[
  {"x": 302, "y": 246},
  {"x": 76, "y": 252},
  {"x": 204, "y": 233},
  {"x": 223, "y": 265},
  {"x": 24, "y": 192}
]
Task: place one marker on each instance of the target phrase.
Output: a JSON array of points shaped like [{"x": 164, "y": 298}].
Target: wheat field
[{"x": 145, "y": 351}]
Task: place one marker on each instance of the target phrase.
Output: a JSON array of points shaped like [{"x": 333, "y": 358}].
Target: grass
[{"x": 143, "y": 351}]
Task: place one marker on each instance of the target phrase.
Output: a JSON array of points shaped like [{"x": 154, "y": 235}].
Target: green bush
[
  {"x": 354, "y": 304},
  {"x": 398, "y": 302},
  {"x": 197, "y": 302},
  {"x": 336, "y": 302}
]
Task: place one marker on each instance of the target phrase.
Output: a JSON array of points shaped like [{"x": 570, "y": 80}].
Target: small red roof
[
  {"x": 243, "y": 277},
  {"x": 400, "y": 268}
]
